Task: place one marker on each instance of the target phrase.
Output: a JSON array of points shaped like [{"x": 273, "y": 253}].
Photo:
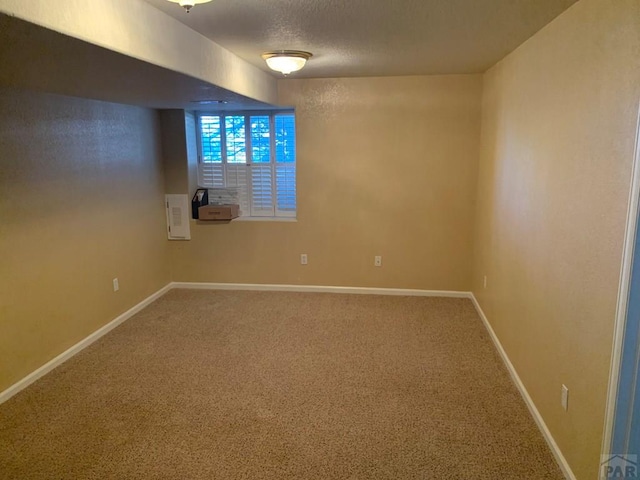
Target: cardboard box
[{"x": 219, "y": 212}]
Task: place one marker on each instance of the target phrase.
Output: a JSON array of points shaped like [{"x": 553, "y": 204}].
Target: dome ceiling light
[
  {"x": 189, "y": 4},
  {"x": 286, "y": 61}
]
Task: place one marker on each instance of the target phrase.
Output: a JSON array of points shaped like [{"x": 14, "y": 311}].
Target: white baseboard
[
  {"x": 320, "y": 289},
  {"x": 66, "y": 355},
  {"x": 546, "y": 433}
]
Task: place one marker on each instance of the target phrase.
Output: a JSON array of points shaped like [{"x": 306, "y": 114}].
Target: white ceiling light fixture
[
  {"x": 189, "y": 4},
  {"x": 286, "y": 61}
]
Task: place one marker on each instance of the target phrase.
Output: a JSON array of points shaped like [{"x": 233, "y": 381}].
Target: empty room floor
[{"x": 273, "y": 385}]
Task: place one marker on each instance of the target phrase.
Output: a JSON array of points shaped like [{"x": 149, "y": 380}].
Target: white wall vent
[{"x": 177, "y": 217}]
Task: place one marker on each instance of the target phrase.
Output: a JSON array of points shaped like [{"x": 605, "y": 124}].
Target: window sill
[{"x": 266, "y": 219}]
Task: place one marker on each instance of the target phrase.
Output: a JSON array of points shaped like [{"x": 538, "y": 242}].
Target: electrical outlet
[
  {"x": 564, "y": 399},
  {"x": 377, "y": 261},
  {"x": 303, "y": 259},
  {"x": 485, "y": 282},
  {"x": 116, "y": 285}
]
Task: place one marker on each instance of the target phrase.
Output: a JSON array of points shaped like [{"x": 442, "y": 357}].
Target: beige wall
[
  {"x": 174, "y": 151},
  {"x": 386, "y": 166},
  {"x": 81, "y": 202},
  {"x": 559, "y": 119}
]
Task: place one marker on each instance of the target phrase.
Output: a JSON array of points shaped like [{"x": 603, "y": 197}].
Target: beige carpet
[{"x": 263, "y": 385}]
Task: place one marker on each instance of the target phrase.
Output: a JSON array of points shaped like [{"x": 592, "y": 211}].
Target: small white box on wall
[{"x": 177, "y": 217}]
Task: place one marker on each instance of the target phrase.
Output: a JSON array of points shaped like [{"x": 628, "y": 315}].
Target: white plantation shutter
[
  {"x": 253, "y": 153},
  {"x": 261, "y": 191},
  {"x": 286, "y": 190},
  {"x": 236, "y": 176},
  {"x": 211, "y": 175}
]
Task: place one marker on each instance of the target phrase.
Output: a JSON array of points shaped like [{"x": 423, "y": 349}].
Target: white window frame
[{"x": 263, "y": 214}]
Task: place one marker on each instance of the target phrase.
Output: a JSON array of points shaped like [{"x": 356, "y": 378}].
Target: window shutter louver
[
  {"x": 211, "y": 138},
  {"x": 262, "y": 191},
  {"x": 236, "y": 176},
  {"x": 286, "y": 190},
  {"x": 211, "y": 175}
]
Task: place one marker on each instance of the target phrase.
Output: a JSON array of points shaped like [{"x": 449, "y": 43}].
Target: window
[{"x": 253, "y": 154}]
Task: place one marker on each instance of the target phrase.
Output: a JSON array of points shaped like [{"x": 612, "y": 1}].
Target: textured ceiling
[{"x": 373, "y": 37}]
